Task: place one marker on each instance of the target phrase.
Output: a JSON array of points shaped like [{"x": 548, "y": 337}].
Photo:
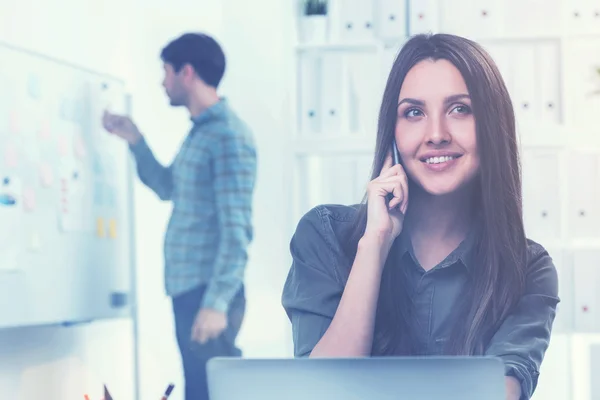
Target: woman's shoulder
[
  {"x": 323, "y": 236},
  {"x": 319, "y": 270},
  {"x": 541, "y": 271},
  {"x": 336, "y": 212},
  {"x": 330, "y": 220},
  {"x": 535, "y": 252}
]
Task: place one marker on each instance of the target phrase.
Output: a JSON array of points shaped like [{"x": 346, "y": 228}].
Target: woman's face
[{"x": 435, "y": 129}]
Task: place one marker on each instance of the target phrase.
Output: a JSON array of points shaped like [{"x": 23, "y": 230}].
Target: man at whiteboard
[{"x": 210, "y": 183}]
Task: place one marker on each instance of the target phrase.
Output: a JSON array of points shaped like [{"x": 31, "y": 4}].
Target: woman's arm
[
  {"x": 350, "y": 333},
  {"x": 331, "y": 318},
  {"x": 524, "y": 337},
  {"x": 513, "y": 388}
]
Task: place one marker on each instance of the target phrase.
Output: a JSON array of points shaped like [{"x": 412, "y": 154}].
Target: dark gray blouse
[{"x": 320, "y": 269}]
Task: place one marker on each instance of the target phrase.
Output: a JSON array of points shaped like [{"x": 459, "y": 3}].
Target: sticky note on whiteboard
[
  {"x": 79, "y": 147},
  {"x": 63, "y": 146},
  {"x": 11, "y": 156},
  {"x": 12, "y": 227},
  {"x": 33, "y": 86},
  {"x": 46, "y": 175},
  {"x": 100, "y": 227},
  {"x": 112, "y": 228},
  {"x": 45, "y": 130},
  {"x": 14, "y": 122},
  {"x": 29, "y": 199},
  {"x": 11, "y": 190},
  {"x": 74, "y": 209}
]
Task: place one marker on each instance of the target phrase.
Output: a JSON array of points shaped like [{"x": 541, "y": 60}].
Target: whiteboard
[{"x": 66, "y": 237}]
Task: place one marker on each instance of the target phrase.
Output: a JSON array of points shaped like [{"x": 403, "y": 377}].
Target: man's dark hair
[{"x": 199, "y": 50}]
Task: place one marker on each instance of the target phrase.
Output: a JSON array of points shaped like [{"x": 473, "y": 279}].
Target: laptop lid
[{"x": 385, "y": 378}]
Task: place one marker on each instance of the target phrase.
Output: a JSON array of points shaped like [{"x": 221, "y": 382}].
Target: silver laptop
[{"x": 386, "y": 378}]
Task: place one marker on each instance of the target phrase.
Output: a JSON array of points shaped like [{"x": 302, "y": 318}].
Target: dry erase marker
[{"x": 168, "y": 392}]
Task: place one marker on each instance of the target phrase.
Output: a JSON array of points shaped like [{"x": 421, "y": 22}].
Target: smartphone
[
  {"x": 395, "y": 154},
  {"x": 395, "y": 160}
]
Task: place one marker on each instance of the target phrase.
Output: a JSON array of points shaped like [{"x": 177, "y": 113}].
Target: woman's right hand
[{"x": 385, "y": 220}]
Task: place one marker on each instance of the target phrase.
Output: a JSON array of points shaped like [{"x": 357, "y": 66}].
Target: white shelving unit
[{"x": 549, "y": 54}]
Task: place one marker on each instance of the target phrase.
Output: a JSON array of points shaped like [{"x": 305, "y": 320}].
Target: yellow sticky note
[
  {"x": 112, "y": 228},
  {"x": 100, "y": 227}
]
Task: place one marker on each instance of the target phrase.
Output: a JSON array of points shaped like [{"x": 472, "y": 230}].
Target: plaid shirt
[{"x": 211, "y": 184}]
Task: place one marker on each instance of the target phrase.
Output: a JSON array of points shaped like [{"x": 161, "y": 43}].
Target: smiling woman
[{"x": 436, "y": 260}]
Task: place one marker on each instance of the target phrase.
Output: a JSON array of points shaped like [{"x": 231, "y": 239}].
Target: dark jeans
[{"x": 194, "y": 356}]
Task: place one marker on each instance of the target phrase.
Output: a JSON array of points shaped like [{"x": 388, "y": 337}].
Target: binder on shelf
[
  {"x": 355, "y": 20},
  {"x": 309, "y": 81},
  {"x": 333, "y": 92},
  {"x": 391, "y": 19}
]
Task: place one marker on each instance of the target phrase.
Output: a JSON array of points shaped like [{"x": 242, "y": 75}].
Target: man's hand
[
  {"x": 209, "y": 324},
  {"x": 121, "y": 126},
  {"x": 513, "y": 388}
]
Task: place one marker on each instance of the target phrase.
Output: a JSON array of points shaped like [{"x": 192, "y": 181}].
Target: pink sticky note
[
  {"x": 46, "y": 176},
  {"x": 63, "y": 146},
  {"x": 45, "y": 130},
  {"x": 79, "y": 147},
  {"x": 15, "y": 125},
  {"x": 11, "y": 156},
  {"x": 29, "y": 199}
]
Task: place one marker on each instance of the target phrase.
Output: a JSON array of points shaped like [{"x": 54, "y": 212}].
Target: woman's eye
[
  {"x": 413, "y": 112},
  {"x": 462, "y": 109}
]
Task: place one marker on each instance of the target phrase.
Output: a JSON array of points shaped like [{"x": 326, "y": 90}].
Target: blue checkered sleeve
[
  {"x": 234, "y": 158},
  {"x": 152, "y": 173}
]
